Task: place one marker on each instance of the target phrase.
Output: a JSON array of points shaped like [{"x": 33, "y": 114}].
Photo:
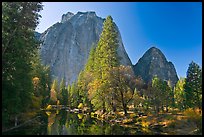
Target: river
[{"x": 61, "y": 122}]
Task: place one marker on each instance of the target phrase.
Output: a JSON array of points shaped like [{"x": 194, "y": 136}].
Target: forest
[{"x": 104, "y": 88}]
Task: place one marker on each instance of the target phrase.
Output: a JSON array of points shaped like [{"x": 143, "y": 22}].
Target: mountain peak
[
  {"x": 154, "y": 49},
  {"x": 65, "y": 46},
  {"x": 87, "y": 12},
  {"x": 152, "y": 63},
  {"x": 66, "y": 16}
]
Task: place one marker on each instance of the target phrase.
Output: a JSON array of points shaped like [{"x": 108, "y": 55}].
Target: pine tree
[
  {"x": 157, "y": 93},
  {"x": 74, "y": 96},
  {"x": 90, "y": 62},
  {"x": 54, "y": 92},
  {"x": 179, "y": 94},
  {"x": 85, "y": 77},
  {"x": 167, "y": 98},
  {"x": 19, "y": 20},
  {"x": 69, "y": 95},
  {"x": 63, "y": 94},
  {"x": 193, "y": 86},
  {"x": 105, "y": 59},
  {"x": 42, "y": 73}
]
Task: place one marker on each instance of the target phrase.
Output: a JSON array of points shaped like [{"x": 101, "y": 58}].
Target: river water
[{"x": 61, "y": 122}]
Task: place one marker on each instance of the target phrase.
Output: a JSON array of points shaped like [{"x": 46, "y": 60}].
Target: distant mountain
[
  {"x": 153, "y": 62},
  {"x": 66, "y": 44}
]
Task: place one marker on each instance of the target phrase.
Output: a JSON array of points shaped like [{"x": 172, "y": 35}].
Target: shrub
[
  {"x": 195, "y": 116},
  {"x": 80, "y": 106},
  {"x": 49, "y": 107},
  {"x": 192, "y": 114}
]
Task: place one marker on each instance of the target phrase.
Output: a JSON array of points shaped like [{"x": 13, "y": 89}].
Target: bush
[
  {"x": 36, "y": 102},
  {"x": 80, "y": 106},
  {"x": 192, "y": 114},
  {"x": 195, "y": 116},
  {"x": 48, "y": 107}
]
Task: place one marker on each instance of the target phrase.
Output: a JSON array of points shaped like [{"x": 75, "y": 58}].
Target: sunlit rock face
[
  {"x": 66, "y": 44},
  {"x": 152, "y": 63}
]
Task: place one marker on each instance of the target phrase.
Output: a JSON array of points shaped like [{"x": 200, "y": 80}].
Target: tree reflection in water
[{"x": 66, "y": 123}]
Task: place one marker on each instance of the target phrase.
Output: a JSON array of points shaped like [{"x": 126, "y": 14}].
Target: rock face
[
  {"x": 153, "y": 62},
  {"x": 66, "y": 45}
]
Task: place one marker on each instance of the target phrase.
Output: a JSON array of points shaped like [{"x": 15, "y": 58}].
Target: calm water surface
[{"x": 67, "y": 123}]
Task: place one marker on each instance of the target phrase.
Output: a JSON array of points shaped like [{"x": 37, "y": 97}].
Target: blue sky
[{"x": 173, "y": 27}]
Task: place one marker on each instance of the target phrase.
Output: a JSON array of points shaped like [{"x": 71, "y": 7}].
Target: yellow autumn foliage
[{"x": 49, "y": 107}]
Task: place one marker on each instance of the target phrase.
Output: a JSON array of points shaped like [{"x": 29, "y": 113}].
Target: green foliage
[
  {"x": 90, "y": 62},
  {"x": 179, "y": 93},
  {"x": 105, "y": 59},
  {"x": 122, "y": 86},
  {"x": 19, "y": 20},
  {"x": 161, "y": 94},
  {"x": 68, "y": 95},
  {"x": 94, "y": 81},
  {"x": 193, "y": 86},
  {"x": 41, "y": 80},
  {"x": 84, "y": 79},
  {"x": 156, "y": 92},
  {"x": 63, "y": 93},
  {"x": 74, "y": 96},
  {"x": 65, "y": 97}
]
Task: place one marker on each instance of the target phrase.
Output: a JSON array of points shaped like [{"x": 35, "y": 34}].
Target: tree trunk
[
  {"x": 16, "y": 120},
  {"x": 104, "y": 109},
  {"x": 157, "y": 109},
  {"x": 167, "y": 109},
  {"x": 125, "y": 109},
  {"x": 162, "y": 108},
  {"x": 114, "y": 108}
]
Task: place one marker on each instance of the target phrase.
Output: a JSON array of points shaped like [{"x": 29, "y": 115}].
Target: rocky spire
[{"x": 152, "y": 63}]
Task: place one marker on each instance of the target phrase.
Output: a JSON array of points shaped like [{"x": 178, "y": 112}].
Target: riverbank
[
  {"x": 188, "y": 122},
  {"x": 174, "y": 122},
  {"x": 22, "y": 120}
]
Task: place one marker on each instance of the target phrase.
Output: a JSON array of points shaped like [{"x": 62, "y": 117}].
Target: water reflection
[{"x": 66, "y": 123}]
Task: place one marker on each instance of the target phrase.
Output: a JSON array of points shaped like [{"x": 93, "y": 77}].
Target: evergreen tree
[
  {"x": 68, "y": 95},
  {"x": 19, "y": 20},
  {"x": 90, "y": 62},
  {"x": 167, "y": 98},
  {"x": 193, "y": 86},
  {"x": 179, "y": 94},
  {"x": 63, "y": 94},
  {"x": 54, "y": 92},
  {"x": 42, "y": 73},
  {"x": 85, "y": 77},
  {"x": 105, "y": 59},
  {"x": 74, "y": 96},
  {"x": 156, "y": 93}
]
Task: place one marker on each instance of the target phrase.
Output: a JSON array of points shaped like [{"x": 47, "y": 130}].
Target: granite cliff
[
  {"x": 152, "y": 63},
  {"x": 66, "y": 44}
]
